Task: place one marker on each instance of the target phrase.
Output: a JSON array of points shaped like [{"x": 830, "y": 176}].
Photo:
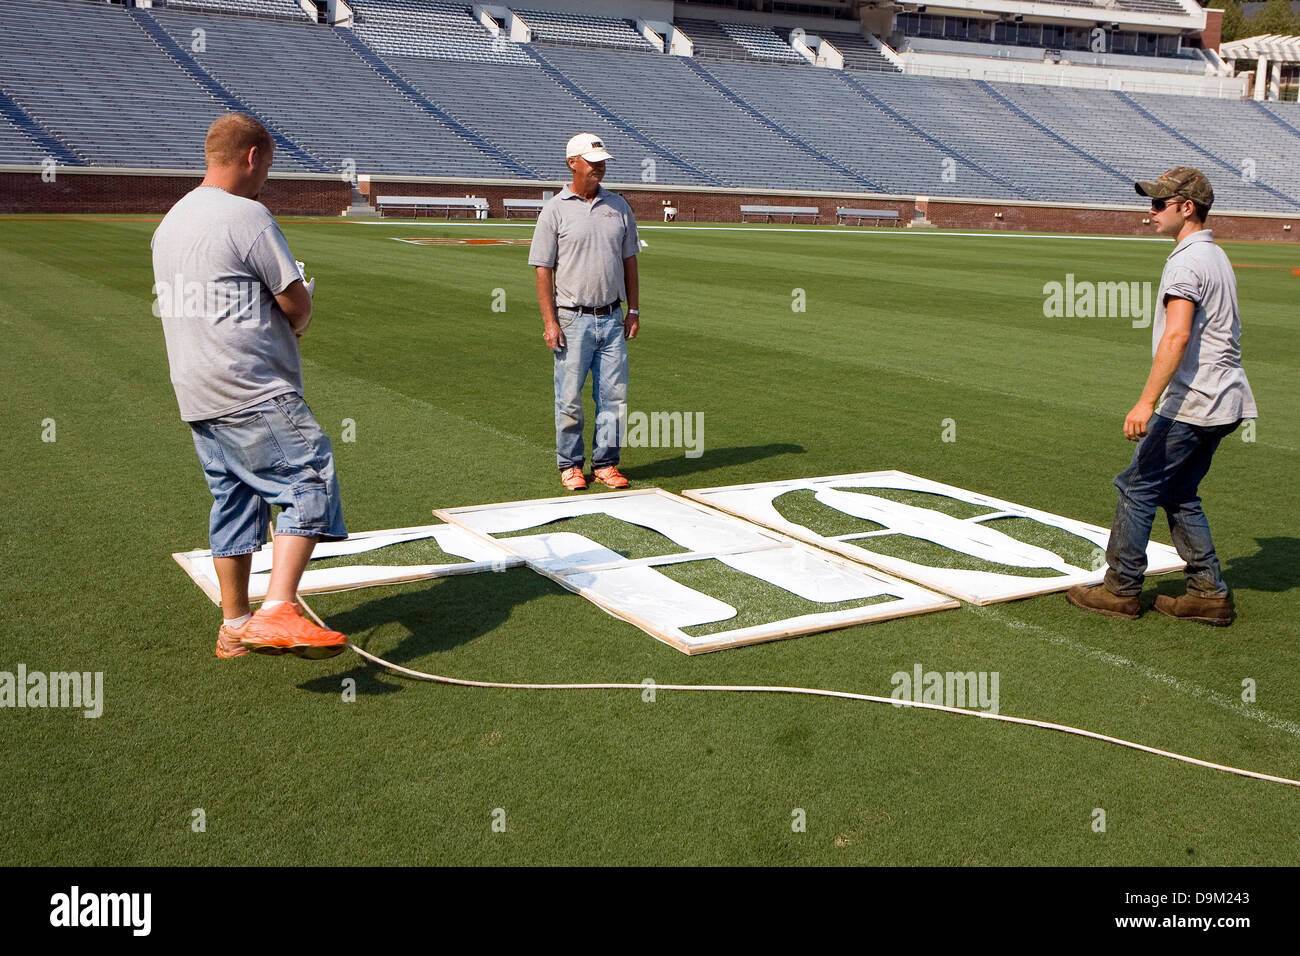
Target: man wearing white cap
[{"x": 584, "y": 249}]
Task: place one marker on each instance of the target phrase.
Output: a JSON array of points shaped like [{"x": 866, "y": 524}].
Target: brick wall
[
  {"x": 647, "y": 204},
  {"x": 327, "y": 196},
  {"x": 1105, "y": 222},
  {"x": 75, "y": 192},
  {"x": 1212, "y": 35}
]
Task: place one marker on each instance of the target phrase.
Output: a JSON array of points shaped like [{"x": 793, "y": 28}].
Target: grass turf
[{"x": 451, "y": 406}]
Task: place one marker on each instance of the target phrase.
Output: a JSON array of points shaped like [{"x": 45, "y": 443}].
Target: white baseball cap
[{"x": 589, "y": 147}]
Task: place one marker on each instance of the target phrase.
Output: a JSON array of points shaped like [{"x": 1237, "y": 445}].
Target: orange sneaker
[
  {"x": 610, "y": 476},
  {"x": 283, "y": 630},
  {"x": 228, "y": 641},
  {"x": 572, "y": 479}
]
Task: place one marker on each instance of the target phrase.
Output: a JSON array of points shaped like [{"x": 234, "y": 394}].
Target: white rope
[{"x": 813, "y": 692}]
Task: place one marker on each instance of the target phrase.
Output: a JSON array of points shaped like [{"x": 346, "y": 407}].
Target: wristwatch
[{"x": 633, "y": 311}]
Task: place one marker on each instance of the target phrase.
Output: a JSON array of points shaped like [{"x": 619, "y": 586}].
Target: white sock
[
  {"x": 237, "y": 622},
  {"x": 267, "y": 605}
]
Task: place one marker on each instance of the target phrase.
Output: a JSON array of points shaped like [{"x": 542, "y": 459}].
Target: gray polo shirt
[
  {"x": 585, "y": 243},
  {"x": 1209, "y": 386},
  {"x": 219, "y": 261}
]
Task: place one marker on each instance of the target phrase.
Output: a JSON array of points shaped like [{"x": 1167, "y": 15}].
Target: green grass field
[{"x": 451, "y": 404}]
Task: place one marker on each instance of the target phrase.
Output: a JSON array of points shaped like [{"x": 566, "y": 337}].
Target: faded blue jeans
[
  {"x": 592, "y": 344},
  {"x": 1167, "y": 467}
]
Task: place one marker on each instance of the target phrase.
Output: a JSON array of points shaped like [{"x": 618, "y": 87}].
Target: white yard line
[{"x": 1187, "y": 688}]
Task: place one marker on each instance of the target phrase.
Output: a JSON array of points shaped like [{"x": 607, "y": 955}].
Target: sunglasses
[{"x": 1158, "y": 205}]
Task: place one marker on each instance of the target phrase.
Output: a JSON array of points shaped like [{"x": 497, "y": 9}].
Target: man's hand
[
  {"x": 553, "y": 335},
  {"x": 1135, "y": 424},
  {"x": 631, "y": 326}
]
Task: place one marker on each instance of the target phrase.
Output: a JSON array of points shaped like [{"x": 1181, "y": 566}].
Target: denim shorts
[{"x": 272, "y": 453}]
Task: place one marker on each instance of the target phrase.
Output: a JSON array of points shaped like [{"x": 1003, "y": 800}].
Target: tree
[
  {"x": 1275, "y": 16},
  {"x": 1234, "y": 20}
]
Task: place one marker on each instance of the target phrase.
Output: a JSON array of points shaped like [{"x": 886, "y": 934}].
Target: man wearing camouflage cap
[{"x": 1196, "y": 394}]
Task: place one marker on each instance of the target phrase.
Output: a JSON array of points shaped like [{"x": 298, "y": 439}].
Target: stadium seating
[
  {"x": 1286, "y": 114},
  {"x": 662, "y": 97},
  {"x": 711, "y": 41},
  {"x": 430, "y": 28},
  {"x": 824, "y": 109},
  {"x": 16, "y": 147},
  {"x": 1231, "y": 132},
  {"x": 1169, "y": 7},
  {"x": 580, "y": 30},
  {"x": 1106, "y": 127},
  {"x": 327, "y": 98},
  {"x": 286, "y": 9},
  {"x": 534, "y": 121},
  {"x": 762, "y": 43},
  {"x": 62, "y": 63},
  {"x": 858, "y": 52}
]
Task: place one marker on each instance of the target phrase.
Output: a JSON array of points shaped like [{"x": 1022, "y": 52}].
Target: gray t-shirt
[
  {"x": 218, "y": 263},
  {"x": 1209, "y": 386},
  {"x": 585, "y": 243}
]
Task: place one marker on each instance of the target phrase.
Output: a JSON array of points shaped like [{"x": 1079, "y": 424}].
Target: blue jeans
[
  {"x": 592, "y": 344},
  {"x": 272, "y": 453},
  {"x": 1167, "y": 467}
]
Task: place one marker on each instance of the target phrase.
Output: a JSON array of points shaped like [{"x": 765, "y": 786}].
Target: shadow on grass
[
  {"x": 712, "y": 458},
  {"x": 441, "y": 616},
  {"x": 1274, "y": 567}
]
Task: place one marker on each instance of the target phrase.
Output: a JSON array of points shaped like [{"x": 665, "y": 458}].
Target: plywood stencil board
[
  {"x": 970, "y": 545},
  {"x": 690, "y": 576},
  {"x": 388, "y": 559}
]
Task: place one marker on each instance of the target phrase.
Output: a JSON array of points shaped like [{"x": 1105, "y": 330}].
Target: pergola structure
[{"x": 1283, "y": 52}]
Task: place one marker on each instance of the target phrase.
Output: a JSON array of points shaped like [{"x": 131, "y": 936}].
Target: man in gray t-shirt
[
  {"x": 233, "y": 305},
  {"x": 1195, "y": 395},
  {"x": 584, "y": 250},
  {"x": 220, "y": 261}
]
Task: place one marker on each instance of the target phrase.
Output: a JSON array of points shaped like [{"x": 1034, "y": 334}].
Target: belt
[{"x": 598, "y": 310}]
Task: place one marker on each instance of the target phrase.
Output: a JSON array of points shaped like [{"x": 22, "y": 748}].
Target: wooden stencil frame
[
  {"x": 1161, "y": 557},
  {"x": 209, "y": 586},
  {"x": 910, "y": 599}
]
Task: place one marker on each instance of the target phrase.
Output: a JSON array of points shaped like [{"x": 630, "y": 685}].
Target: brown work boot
[
  {"x": 1216, "y": 612},
  {"x": 1098, "y": 599}
]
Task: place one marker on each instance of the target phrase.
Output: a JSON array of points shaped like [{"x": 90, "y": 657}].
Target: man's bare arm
[
  {"x": 551, "y": 331},
  {"x": 295, "y": 303},
  {"x": 632, "y": 283},
  {"x": 1169, "y": 355}
]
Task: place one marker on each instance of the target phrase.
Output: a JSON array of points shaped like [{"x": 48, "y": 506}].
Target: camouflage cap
[{"x": 1185, "y": 181}]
